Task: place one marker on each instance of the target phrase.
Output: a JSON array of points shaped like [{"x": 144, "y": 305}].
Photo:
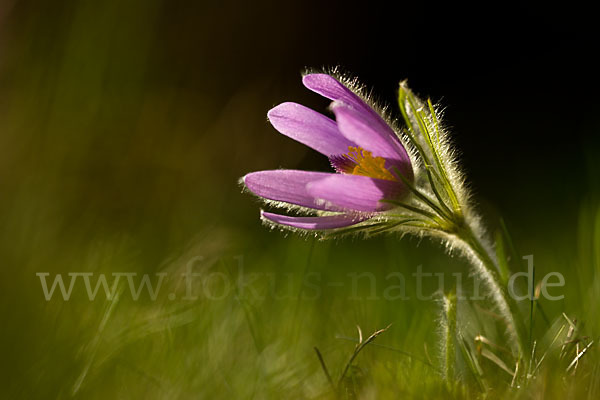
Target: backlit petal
[
  {"x": 354, "y": 192},
  {"x": 309, "y": 127},
  {"x": 288, "y": 186},
  {"x": 313, "y": 223}
]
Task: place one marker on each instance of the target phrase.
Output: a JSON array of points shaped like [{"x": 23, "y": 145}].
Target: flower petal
[
  {"x": 354, "y": 192},
  {"x": 329, "y": 87},
  {"x": 360, "y": 123},
  {"x": 313, "y": 223},
  {"x": 288, "y": 186},
  {"x": 367, "y": 136},
  {"x": 309, "y": 127}
]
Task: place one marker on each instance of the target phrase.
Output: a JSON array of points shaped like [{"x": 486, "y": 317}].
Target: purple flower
[{"x": 362, "y": 147}]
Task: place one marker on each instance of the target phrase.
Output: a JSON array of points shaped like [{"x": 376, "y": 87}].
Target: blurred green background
[{"x": 125, "y": 125}]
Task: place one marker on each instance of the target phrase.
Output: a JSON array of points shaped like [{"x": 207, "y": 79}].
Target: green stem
[{"x": 505, "y": 303}]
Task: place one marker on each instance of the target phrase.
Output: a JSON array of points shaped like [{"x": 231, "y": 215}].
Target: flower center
[{"x": 359, "y": 161}]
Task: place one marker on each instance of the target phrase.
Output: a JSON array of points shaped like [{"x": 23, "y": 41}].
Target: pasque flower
[
  {"x": 385, "y": 179},
  {"x": 371, "y": 164}
]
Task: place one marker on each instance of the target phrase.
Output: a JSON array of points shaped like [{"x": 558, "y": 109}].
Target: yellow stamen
[{"x": 367, "y": 165}]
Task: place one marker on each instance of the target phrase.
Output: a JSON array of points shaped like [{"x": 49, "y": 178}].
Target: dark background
[{"x": 518, "y": 83}]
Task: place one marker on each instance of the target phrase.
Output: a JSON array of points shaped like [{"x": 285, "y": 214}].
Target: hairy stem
[{"x": 484, "y": 261}]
